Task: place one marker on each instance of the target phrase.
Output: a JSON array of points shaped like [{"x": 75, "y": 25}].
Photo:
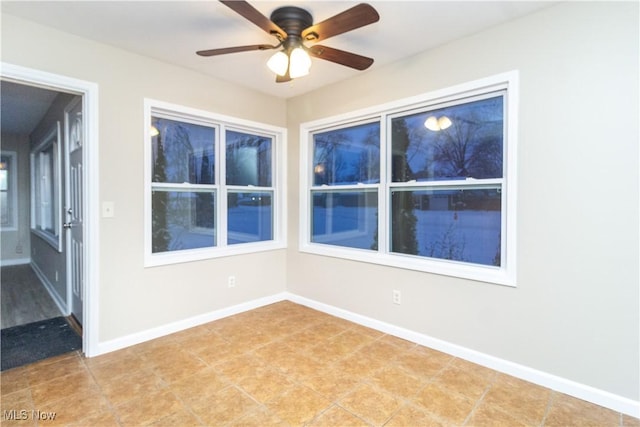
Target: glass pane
[
  {"x": 4, "y": 179},
  {"x": 459, "y": 225},
  {"x": 5, "y": 200},
  {"x": 348, "y": 218},
  {"x": 5, "y": 167},
  {"x": 456, "y": 142},
  {"x": 47, "y": 206},
  {"x": 347, "y": 156},
  {"x": 182, "y": 220},
  {"x": 183, "y": 152},
  {"x": 4, "y": 208},
  {"x": 248, "y": 159},
  {"x": 250, "y": 217}
]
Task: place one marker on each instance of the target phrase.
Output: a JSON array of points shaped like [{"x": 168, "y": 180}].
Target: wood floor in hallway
[{"x": 24, "y": 298}]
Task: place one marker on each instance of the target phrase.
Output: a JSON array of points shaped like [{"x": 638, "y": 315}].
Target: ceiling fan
[{"x": 293, "y": 26}]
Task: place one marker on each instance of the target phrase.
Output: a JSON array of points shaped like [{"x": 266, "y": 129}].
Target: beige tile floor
[{"x": 283, "y": 365}]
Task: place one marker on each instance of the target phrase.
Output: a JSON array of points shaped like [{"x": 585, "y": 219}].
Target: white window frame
[
  {"x": 12, "y": 191},
  {"x": 505, "y": 274},
  {"x": 359, "y": 187},
  {"x": 250, "y": 188},
  {"x": 52, "y": 236},
  {"x": 221, "y": 123}
]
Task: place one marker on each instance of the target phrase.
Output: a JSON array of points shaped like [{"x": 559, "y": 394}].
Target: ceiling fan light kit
[
  {"x": 293, "y": 26},
  {"x": 296, "y": 63},
  {"x": 299, "y": 63},
  {"x": 279, "y": 63}
]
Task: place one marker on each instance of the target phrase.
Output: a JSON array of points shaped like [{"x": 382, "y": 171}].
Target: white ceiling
[
  {"x": 22, "y": 107},
  {"x": 172, "y": 31}
]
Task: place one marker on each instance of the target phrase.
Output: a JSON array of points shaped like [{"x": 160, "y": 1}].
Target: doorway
[{"x": 70, "y": 230}]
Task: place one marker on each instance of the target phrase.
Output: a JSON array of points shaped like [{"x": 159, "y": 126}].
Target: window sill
[
  {"x": 191, "y": 255},
  {"x": 486, "y": 274}
]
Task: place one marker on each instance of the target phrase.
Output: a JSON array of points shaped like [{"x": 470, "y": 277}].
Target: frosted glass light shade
[
  {"x": 278, "y": 63},
  {"x": 299, "y": 63}
]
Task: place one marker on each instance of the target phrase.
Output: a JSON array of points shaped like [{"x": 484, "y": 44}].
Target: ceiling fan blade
[
  {"x": 356, "y": 17},
  {"x": 225, "y": 50},
  {"x": 250, "y": 13},
  {"x": 341, "y": 57}
]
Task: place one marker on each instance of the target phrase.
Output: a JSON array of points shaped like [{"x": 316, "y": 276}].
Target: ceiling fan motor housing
[{"x": 293, "y": 20}]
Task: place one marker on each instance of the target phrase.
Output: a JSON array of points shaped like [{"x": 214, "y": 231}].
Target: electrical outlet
[
  {"x": 231, "y": 281},
  {"x": 397, "y": 297}
]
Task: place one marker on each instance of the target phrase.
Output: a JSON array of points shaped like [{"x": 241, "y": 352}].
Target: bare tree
[
  {"x": 470, "y": 147},
  {"x": 331, "y": 164},
  {"x": 160, "y": 236},
  {"x": 403, "y": 223}
]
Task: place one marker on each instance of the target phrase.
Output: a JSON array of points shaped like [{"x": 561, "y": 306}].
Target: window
[
  {"x": 346, "y": 174},
  {"x": 250, "y": 187},
  {"x": 8, "y": 190},
  {"x": 426, "y": 183},
  {"x": 213, "y": 189},
  {"x": 45, "y": 188}
]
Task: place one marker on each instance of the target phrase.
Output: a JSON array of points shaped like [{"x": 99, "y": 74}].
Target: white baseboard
[
  {"x": 572, "y": 388},
  {"x": 139, "y": 337},
  {"x": 15, "y": 261},
  {"x": 62, "y": 305}
]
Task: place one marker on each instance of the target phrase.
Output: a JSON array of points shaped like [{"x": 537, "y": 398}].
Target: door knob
[{"x": 67, "y": 225}]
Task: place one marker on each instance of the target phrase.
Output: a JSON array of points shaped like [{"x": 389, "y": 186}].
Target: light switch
[{"x": 108, "y": 210}]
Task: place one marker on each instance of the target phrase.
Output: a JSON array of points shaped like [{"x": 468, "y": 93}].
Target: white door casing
[{"x": 90, "y": 200}]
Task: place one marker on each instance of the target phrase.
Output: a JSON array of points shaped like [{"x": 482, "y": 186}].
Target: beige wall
[
  {"x": 133, "y": 298},
  {"x": 575, "y": 310}
]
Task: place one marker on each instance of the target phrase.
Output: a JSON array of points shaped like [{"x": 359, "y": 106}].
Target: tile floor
[{"x": 283, "y": 365}]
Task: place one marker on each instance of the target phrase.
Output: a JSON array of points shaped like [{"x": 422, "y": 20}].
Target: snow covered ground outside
[
  {"x": 245, "y": 224},
  {"x": 466, "y": 235}
]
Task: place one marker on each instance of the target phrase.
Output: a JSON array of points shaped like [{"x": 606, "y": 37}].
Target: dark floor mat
[{"x": 29, "y": 343}]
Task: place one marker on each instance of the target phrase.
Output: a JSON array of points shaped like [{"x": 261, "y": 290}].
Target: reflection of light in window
[{"x": 436, "y": 124}]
